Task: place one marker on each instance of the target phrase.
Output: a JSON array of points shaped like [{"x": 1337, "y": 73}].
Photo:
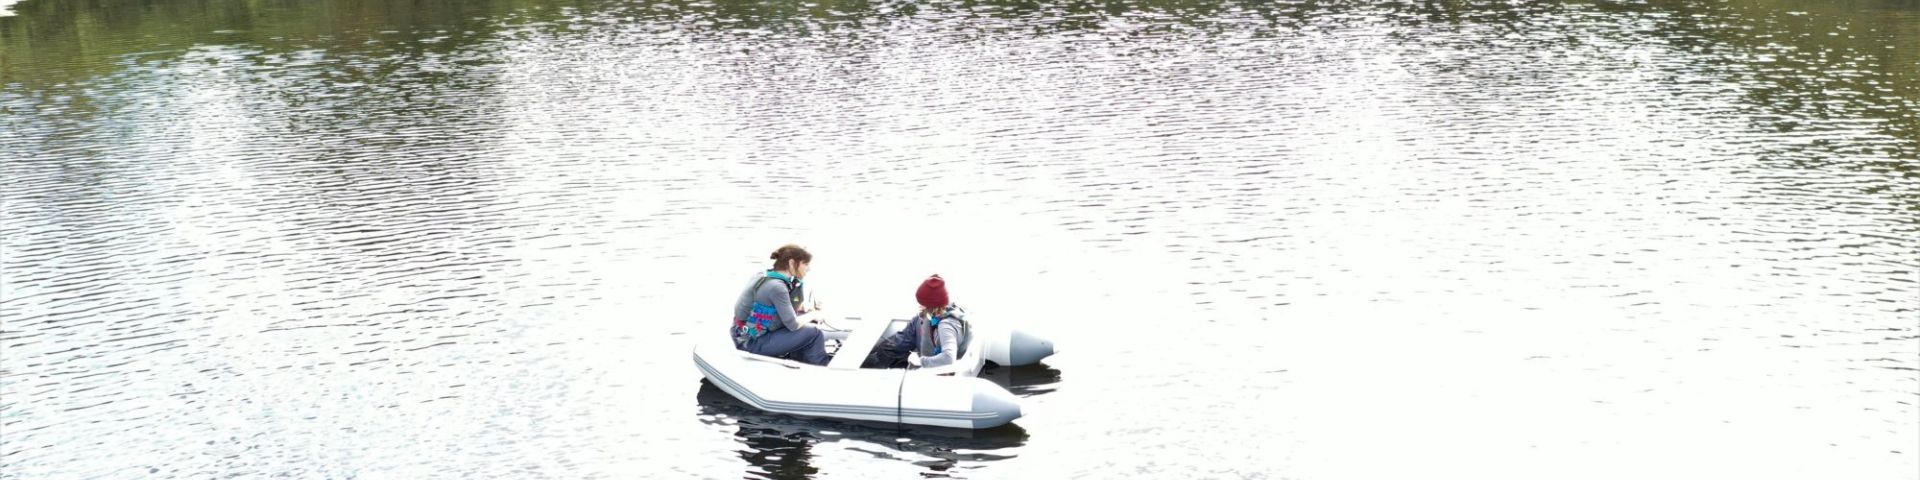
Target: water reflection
[
  {"x": 1026, "y": 380},
  {"x": 54, "y": 44},
  {"x": 781, "y": 446},
  {"x": 1804, "y": 66},
  {"x": 221, "y": 218}
]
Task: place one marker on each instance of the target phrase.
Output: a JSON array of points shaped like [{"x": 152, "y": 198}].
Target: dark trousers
[
  {"x": 886, "y": 359},
  {"x": 807, "y": 345},
  {"x": 892, "y": 351}
]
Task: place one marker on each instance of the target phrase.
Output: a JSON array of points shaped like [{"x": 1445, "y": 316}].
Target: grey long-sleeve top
[
  {"x": 773, "y": 292},
  {"x": 921, "y": 337}
]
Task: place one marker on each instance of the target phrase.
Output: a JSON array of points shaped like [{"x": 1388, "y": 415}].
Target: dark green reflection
[
  {"x": 52, "y": 42},
  {"x": 1818, "y": 61},
  {"x": 1815, "y": 60},
  {"x": 1800, "y": 66}
]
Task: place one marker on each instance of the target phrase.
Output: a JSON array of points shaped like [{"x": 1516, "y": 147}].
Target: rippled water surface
[{"x": 1318, "y": 240}]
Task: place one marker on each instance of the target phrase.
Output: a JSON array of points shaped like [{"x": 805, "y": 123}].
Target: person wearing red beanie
[{"x": 938, "y": 334}]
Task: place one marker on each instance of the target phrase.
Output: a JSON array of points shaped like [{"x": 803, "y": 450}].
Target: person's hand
[{"x": 913, "y": 361}]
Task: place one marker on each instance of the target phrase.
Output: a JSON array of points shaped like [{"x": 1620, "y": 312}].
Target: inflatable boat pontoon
[{"x": 950, "y": 396}]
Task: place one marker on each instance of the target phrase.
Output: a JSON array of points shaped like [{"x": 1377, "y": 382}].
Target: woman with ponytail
[{"x": 765, "y": 321}]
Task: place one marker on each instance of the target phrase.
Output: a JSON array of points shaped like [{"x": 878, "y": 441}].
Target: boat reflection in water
[
  {"x": 1024, "y": 381},
  {"x": 780, "y": 445}
]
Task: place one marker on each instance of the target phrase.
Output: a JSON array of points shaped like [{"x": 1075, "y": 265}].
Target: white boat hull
[{"x": 951, "y": 396}]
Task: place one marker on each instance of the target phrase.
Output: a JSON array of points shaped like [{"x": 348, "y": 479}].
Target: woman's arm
[{"x": 949, "y": 339}]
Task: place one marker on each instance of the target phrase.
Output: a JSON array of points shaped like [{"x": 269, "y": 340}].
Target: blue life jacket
[{"x": 763, "y": 318}]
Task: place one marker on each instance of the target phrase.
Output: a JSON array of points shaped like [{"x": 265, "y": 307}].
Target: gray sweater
[
  {"x": 921, "y": 338},
  {"x": 773, "y": 292}
]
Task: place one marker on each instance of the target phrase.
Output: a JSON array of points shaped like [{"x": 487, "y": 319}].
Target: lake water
[{"x": 1314, "y": 240}]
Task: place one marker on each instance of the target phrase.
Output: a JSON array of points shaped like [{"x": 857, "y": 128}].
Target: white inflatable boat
[{"x": 950, "y": 396}]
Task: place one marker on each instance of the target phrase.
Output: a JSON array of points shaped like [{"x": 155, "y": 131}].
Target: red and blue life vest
[{"x": 763, "y": 318}]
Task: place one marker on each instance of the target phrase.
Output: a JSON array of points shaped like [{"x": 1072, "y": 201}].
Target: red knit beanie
[{"x": 933, "y": 292}]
